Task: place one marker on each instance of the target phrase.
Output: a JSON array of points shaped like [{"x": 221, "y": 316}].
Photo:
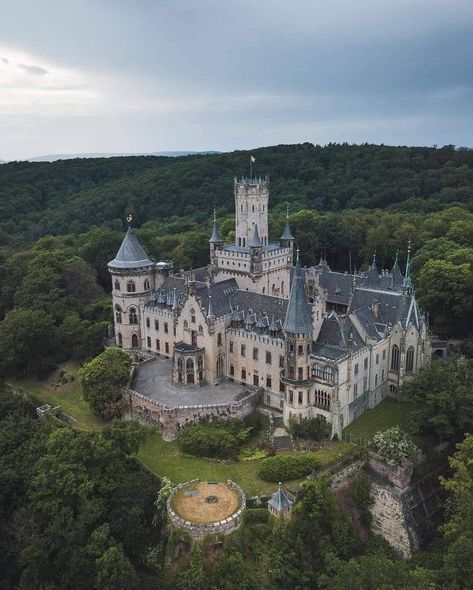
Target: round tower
[
  {"x": 298, "y": 330},
  {"x": 133, "y": 281}
]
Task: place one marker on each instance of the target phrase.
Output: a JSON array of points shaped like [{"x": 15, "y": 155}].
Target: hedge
[
  {"x": 255, "y": 516},
  {"x": 287, "y": 467}
]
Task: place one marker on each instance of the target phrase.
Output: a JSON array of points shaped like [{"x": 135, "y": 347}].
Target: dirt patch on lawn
[{"x": 210, "y": 502}]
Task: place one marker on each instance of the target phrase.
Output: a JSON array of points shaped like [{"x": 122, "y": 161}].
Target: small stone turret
[
  {"x": 256, "y": 253},
  {"x": 287, "y": 239},
  {"x": 215, "y": 242}
]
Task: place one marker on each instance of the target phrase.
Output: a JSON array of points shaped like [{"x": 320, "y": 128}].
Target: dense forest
[{"x": 77, "y": 510}]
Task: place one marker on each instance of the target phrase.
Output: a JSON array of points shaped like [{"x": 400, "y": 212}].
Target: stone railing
[{"x": 200, "y": 530}]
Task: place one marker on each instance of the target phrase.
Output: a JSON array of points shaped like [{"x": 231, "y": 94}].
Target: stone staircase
[{"x": 281, "y": 439}]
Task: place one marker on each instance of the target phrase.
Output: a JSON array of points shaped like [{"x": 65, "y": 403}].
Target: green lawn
[
  {"x": 161, "y": 457},
  {"x": 387, "y": 413}
]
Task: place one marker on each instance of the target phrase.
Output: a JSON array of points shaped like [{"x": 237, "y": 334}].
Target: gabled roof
[
  {"x": 255, "y": 241},
  {"x": 279, "y": 500},
  {"x": 372, "y": 276},
  {"x": 298, "y": 319},
  {"x": 131, "y": 253}
]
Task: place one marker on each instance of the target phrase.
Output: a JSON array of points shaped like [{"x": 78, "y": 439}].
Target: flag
[{"x": 252, "y": 159}]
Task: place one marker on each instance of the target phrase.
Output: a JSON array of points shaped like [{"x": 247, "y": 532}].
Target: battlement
[{"x": 245, "y": 182}]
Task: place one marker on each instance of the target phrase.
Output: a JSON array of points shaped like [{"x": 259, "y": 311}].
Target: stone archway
[{"x": 134, "y": 341}]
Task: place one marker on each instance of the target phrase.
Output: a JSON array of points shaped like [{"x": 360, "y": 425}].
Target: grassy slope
[
  {"x": 386, "y": 414},
  {"x": 164, "y": 458}
]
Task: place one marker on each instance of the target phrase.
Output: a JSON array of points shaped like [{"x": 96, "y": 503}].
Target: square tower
[{"x": 251, "y": 208}]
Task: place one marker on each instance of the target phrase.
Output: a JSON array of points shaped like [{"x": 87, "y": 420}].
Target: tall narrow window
[
  {"x": 133, "y": 316},
  {"x": 395, "y": 358},
  {"x": 410, "y": 359},
  {"x": 131, "y": 287},
  {"x": 118, "y": 314}
]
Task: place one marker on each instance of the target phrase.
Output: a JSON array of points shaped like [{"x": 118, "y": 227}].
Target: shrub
[
  {"x": 287, "y": 467},
  {"x": 204, "y": 440},
  {"x": 393, "y": 444},
  {"x": 316, "y": 428},
  {"x": 256, "y": 421},
  {"x": 360, "y": 494},
  {"x": 255, "y": 516}
]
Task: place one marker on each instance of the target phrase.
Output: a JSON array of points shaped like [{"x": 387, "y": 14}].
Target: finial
[
  {"x": 287, "y": 209},
  {"x": 374, "y": 258},
  {"x": 409, "y": 245},
  {"x": 129, "y": 219},
  {"x": 297, "y": 255},
  {"x": 215, "y": 215}
]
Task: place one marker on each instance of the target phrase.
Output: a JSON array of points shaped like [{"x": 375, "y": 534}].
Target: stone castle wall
[
  {"x": 198, "y": 531},
  {"x": 171, "y": 420}
]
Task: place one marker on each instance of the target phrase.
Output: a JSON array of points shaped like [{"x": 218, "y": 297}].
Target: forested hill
[{"x": 70, "y": 196}]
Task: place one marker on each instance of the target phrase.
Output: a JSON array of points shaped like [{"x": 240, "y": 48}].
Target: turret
[
  {"x": 215, "y": 242},
  {"x": 287, "y": 239},
  {"x": 298, "y": 330},
  {"x": 133, "y": 280}
]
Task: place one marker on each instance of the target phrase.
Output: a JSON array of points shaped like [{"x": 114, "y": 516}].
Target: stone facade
[{"x": 228, "y": 321}]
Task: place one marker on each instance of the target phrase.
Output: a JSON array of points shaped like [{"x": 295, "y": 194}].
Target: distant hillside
[
  {"x": 55, "y": 157},
  {"x": 70, "y": 196}
]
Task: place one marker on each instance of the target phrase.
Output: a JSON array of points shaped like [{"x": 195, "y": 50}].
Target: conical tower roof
[
  {"x": 131, "y": 254},
  {"x": 255, "y": 241},
  {"x": 286, "y": 234},
  {"x": 372, "y": 277},
  {"x": 298, "y": 319},
  {"x": 215, "y": 238},
  {"x": 396, "y": 274}
]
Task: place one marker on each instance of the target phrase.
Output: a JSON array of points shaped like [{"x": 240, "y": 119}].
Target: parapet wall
[
  {"x": 199, "y": 531},
  {"x": 171, "y": 420}
]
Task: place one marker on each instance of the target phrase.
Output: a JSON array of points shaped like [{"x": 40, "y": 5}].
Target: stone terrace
[{"x": 153, "y": 380}]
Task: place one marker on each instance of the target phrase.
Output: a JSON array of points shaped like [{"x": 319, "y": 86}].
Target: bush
[
  {"x": 314, "y": 428},
  {"x": 257, "y": 421},
  {"x": 287, "y": 467},
  {"x": 255, "y": 516},
  {"x": 360, "y": 494},
  {"x": 204, "y": 440},
  {"x": 393, "y": 444}
]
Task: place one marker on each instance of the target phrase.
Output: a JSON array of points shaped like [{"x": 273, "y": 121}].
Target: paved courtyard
[{"x": 154, "y": 381}]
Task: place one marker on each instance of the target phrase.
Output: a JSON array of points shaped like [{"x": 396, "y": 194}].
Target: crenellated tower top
[{"x": 251, "y": 208}]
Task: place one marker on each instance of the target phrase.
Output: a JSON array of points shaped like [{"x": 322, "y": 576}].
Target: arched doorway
[
  {"x": 134, "y": 341},
  {"x": 220, "y": 366}
]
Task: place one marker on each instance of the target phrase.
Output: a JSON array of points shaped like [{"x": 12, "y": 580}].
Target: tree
[
  {"x": 443, "y": 393},
  {"x": 115, "y": 571},
  {"x": 27, "y": 342},
  {"x": 103, "y": 380}
]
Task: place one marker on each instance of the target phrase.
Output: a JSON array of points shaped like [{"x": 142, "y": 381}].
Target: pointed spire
[
  {"x": 215, "y": 238},
  {"x": 396, "y": 274},
  {"x": 407, "y": 275},
  {"x": 372, "y": 278},
  {"x": 298, "y": 319},
  {"x": 210, "y": 311},
  {"x": 287, "y": 234},
  {"x": 255, "y": 241}
]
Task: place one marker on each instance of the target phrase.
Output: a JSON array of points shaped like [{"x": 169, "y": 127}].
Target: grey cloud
[
  {"x": 5, "y": 60},
  {"x": 34, "y": 70}
]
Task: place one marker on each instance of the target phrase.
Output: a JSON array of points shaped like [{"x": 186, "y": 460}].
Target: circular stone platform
[{"x": 211, "y": 502}]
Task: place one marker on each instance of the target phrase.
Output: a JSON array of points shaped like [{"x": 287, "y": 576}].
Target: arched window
[
  {"x": 201, "y": 330},
  {"x": 410, "y": 359},
  {"x": 282, "y": 287},
  {"x": 133, "y": 316},
  {"x": 328, "y": 373},
  {"x": 120, "y": 340},
  {"x": 147, "y": 285},
  {"x": 186, "y": 324},
  {"x": 395, "y": 358},
  {"x": 117, "y": 285},
  {"x": 220, "y": 365},
  {"x": 190, "y": 366},
  {"x": 200, "y": 363},
  {"x": 118, "y": 314},
  {"x": 131, "y": 287},
  {"x": 134, "y": 341},
  {"x": 316, "y": 370}
]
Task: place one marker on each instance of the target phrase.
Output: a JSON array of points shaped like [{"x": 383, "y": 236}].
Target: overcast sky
[{"x": 148, "y": 75}]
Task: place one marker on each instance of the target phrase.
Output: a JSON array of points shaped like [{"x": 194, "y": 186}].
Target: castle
[{"x": 310, "y": 341}]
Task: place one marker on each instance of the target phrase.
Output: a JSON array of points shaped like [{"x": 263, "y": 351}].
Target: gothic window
[
  {"x": 118, "y": 314},
  {"x": 148, "y": 342},
  {"x": 201, "y": 330},
  {"x": 300, "y": 350},
  {"x": 166, "y": 347},
  {"x": 220, "y": 365},
  {"x": 255, "y": 354},
  {"x": 166, "y": 328},
  {"x": 268, "y": 358},
  {"x": 291, "y": 396},
  {"x": 158, "y": 346},
  {"x": 268, "y": 381},
  {"x": 365, "y": 363},
  {"x": 186, "y": 324},
  {"x": 117, "y": 285},
  {"x": 410, "y": 359},
  {"x": 146, "y": 285},
  {"x": 282, "y": 287},
  {"x": 243, "y": 374},
  {"x": 156, "y": 324},
  {"x": 328, "y": 373},
  {"x": 356, "y": 369},
  {"x": 281, "y": 362},
  {"x": 243, "y": 350},
  {"x": 120, "y": 340},
  {"x": 133, "y": 316},
  {"x": 131, "y": 287},
  {"x": 230, "y": 346},
  {"x": 300, "y": 374},
  {"x": 300, "y": 397},
  {"x": 190, "y": 366},
  {"x": 219, "y": 339},
  {"x": 200, "y": 363},
  {"x": 134, "y": 341},
  {"x": 147, "y": 322},
  {"x": 395, "y": 358}
]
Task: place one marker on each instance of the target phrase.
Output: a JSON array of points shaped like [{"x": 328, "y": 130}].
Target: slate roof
[
  {"x": 337, "y": 286},
  {"x": 336, "y": 335},
  {"x": 397, "y": 277},
  {"x": 215, "y": 238},
  {"x": 298, "y": 319},
  {"x": 287, "y": 234},
  {"x": 255, "y": 241},
  {"x": 279, "y": 500},
  {"x": 394, "y": 306},
  {"x": 131, "y": 254},
  {"x": 373, "y": 325}
]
